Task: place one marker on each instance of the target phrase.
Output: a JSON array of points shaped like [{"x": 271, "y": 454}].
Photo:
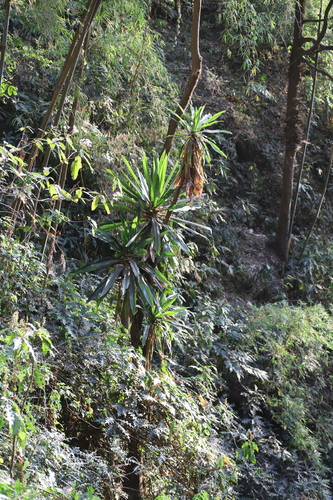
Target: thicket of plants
[{"x": 125, "y": 370}]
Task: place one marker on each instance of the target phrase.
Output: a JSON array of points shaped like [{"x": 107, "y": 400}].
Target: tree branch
[
  {"x": 325, "y": 24},
  {"x": 321, "y": 71},
  {"x": 192, "y": 79}
]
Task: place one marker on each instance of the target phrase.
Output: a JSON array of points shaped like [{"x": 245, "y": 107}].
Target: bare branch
[
  {"x": 192, "y": 79},
  {"x": 321, "y": 71},
  {"x": 323, "y": 47},
  {"x": 313, "y": 21},
  {"x": 325, "y": 24}
]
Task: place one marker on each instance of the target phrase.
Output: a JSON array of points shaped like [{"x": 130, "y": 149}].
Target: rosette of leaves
[
  {"x": 150, "y": 193},
  {"x": 163, "y": 320},
  {"x": 195, "y": 150},
  {"x": 127, "y": 268}
]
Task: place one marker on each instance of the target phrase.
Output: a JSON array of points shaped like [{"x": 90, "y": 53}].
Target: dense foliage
[{"x": 152, "y": 344}]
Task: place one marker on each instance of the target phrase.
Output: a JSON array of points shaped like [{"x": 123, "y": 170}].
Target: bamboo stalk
[
  {"x": 66, "y": 74},
  {"x": 64, "y": 166}
]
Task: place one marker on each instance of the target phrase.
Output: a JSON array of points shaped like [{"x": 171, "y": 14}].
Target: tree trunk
[
  {"x": 133, "y": 484},
  {"x": 149, "y": 347},
  {"x": 4, "y": 40},
  {"x": 193, "y": 78},
  {"x": 133, "y": 481},
  {"x": 292, "y": 133}
]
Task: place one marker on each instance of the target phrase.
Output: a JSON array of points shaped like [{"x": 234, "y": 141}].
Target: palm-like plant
[
  {"x": 128, "y": 268},
  {"x": 149, "y": 193},
  {"x": 145, "y": 241},
  {"x": 195, "y": 150},
  {"x": 162, "y": 322}
]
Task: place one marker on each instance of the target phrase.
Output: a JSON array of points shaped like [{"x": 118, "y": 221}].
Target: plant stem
[
  {"x": 64, "y": 166},
  {"x": 12, "y": 456},
  {"x": 4, "y": 40},
  {"x": 193, "y": 78},
  {"x": 149, "y": 347}
]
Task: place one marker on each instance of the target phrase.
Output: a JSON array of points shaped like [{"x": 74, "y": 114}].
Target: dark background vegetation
[{"x": 238, "y": 402}]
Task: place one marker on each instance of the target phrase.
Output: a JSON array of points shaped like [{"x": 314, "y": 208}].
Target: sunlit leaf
[{"x": 76, "y": 166}]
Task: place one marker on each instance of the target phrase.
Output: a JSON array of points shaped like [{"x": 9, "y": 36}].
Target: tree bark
[
  {"x": 292, "y": 133},
  {"x": 149, "y": 347},
  {"x": 193, "y": 78},
  {"x": 307, "y": 133},
  {"x": 133, "y": 484},
  {"x": 4, "y": 40}
]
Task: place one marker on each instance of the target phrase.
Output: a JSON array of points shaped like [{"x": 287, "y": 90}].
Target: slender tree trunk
[
  {"x": 133, "y": 483},
  {"x": 71, "y": 122},
  {"x": 68, "y": 68},
  {"x": 4, "y": 40},
  {"x": 292, "y": 133},
  {"x": 193, "y": 78},
  {"x": 149, "y": 347},
  {"x": 307, "y": 134}
]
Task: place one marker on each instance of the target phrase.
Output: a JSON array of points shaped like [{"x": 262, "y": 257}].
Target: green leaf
[
  {"x": 134, "y": 266},
  {"x": 76, "y": 166},
  {"x": 146, "y": 292},
  {"x": 106, "y": 284},
  {"x": 132, "y": 295},
  {"x": 52, "y": 190},
  {"x": 50, "y": 143},
  {"x": 125, "y": 280},
  {"x": 156, "y": 234},
  {"x": 77, "y": 195},
  {"x": 97, "y": 266}
]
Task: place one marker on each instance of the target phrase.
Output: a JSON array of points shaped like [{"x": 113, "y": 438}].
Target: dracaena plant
[
  {"x": 150, "y": 193},
  {"x": 163, "y": 320},
  {"x": 127, "y": 270},
  {"x": 196, "y": 148},
  {"x": 142, "y": 243}
]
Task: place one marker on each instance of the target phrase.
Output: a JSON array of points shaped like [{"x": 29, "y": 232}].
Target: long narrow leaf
[
  {"x": 172, "y": 175},
  {"x": 145, "y": 167},
  {"x": 185, "y": 222},
  {"x": 191, "y": 231},
  {"x": 139, "y": 233},
  {"x": 97, "y": 266},
  {"x": 146, "y": 293},
  {"x": 134, "y": 267},
  {"x": 132, "y": 294},
  {"x": 106, "y": 284},
  {"x": 108, "y": 238},
  {"x": 173, "y": 236},
  {"x": 125, "y": 280},
  {"x": 156, "y": 234},
  {"x": 144, "y": 187},
  {"x": 214, "y": 146},
  {"x": 129, "y": 168}
]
